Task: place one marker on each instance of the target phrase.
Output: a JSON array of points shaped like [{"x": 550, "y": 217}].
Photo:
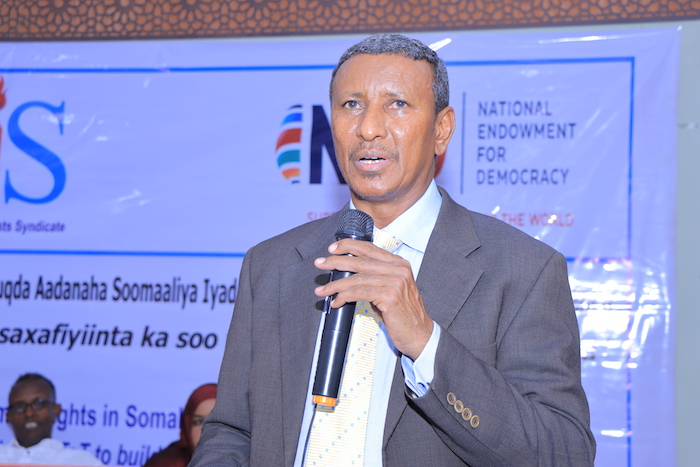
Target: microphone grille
[{"x": 355, "y": 223}]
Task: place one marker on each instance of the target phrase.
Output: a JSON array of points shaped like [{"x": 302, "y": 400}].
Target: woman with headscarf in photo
[{"x": 179, "y": 453}]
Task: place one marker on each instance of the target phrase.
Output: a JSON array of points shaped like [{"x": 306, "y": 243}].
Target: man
[
  {"x": 478, "y": 361},
  {"x": 31, "y": 413}
]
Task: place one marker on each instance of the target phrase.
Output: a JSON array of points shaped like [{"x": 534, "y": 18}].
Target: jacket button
[
  {"x": 459, "y": 406},
  {"x": 475, "y": 421},
  {"x": 451, "y": 398},
  {"x": 467, "y": 414}
]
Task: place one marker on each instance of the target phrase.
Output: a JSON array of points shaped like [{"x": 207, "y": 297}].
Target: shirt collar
[{"x": 415, "y": 225}]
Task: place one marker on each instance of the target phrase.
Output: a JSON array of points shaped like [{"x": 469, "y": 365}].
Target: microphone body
[{"x": 357, "y": 225}]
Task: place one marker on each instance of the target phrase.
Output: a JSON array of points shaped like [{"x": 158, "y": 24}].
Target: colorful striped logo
[{"x": 289, "y": 145}]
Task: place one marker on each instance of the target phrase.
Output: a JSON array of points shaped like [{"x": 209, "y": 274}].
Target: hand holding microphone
[{"x": 336, "y": 329}]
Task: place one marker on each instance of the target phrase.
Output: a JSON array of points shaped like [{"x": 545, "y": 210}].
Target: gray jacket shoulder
[
  {"x": 297, "y": 243},
  {"x": 496, "y": 232},
  {"x": 486, "y": 235}
]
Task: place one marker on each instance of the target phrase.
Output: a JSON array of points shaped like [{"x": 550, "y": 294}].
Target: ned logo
[
  {"x": 51, "y": 118},
  {"x": 304, "y": 148}
]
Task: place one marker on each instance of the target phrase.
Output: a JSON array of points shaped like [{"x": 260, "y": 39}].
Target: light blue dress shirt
[{"x": 413, "y": 228}]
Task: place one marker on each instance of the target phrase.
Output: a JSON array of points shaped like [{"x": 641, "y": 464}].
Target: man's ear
[
  {"x": 444, "y": 129},
  {"x": 56, "y": 411}
]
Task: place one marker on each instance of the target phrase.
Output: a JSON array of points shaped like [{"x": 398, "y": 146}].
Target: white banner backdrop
[{"x": 135, "y": 176}]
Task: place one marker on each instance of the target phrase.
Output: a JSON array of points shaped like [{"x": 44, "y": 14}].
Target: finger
[
  {"x": 340, "y": 263},
  {"x": 350, "y": 289},
  {"x": 375, "y": 264},
  {"x": 378, "y": 289},
  {"x": 352, "y": 247}
]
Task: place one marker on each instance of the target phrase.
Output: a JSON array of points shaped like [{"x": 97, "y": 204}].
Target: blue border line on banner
[
  {"x": 203, "y": 254},
  {"x": 539, "y": 61},
  {"x": 203, "y": 69},
  {"x": 210, "y": 69},
  {"x": 629, "y": 193},
  {"x": 629, "y": 255}
]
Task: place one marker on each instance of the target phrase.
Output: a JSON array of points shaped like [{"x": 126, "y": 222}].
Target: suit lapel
[
  {"x": 445, "y": 280},
  {"x": 447, "y": 275},
  {"x": 300, "y": 316}
]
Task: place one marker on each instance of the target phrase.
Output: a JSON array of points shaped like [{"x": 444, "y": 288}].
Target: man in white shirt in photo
[{"x": 31, "y": 412}]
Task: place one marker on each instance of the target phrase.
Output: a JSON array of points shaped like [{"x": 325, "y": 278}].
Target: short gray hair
[{"x": 397, "y": 44}]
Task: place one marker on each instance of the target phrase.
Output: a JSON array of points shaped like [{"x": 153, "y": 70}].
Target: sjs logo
[
  {"x": 292, "y": 151},
  {"x": 33, "y": 149}
]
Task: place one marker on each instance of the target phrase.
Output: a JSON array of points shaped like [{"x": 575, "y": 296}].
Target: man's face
[
  {"x": 32, "y": 426},
  {"x": 385, "y": 130}
]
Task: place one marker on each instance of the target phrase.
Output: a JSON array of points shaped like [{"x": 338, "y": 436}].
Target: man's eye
[
  {"x": 351, "y": 105},
  {"x": 197, "y": 421},
  {"x": 399, "y": 104}
]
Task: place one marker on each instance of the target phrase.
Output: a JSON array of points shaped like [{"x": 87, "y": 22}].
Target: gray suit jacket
[{"x": 509, "y": 351}]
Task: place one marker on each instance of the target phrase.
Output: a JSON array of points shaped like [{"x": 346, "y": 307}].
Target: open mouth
[
  {"x": 31, "y": 425},
  {"x": 371, "y": 160}
]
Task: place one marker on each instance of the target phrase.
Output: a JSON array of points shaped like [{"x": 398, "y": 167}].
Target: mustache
[{"x": 370, "y": 146}]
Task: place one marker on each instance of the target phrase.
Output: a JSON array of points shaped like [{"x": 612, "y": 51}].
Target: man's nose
[{"x": 372, "y": 123}]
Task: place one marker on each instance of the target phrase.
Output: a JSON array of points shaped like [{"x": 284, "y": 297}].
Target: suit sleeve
[
  {"x": 225, "y": 437},
  {"x": 518, "y": 402}
]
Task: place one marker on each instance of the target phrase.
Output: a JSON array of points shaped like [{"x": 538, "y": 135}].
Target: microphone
[{"x": 357, "y": 225}]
